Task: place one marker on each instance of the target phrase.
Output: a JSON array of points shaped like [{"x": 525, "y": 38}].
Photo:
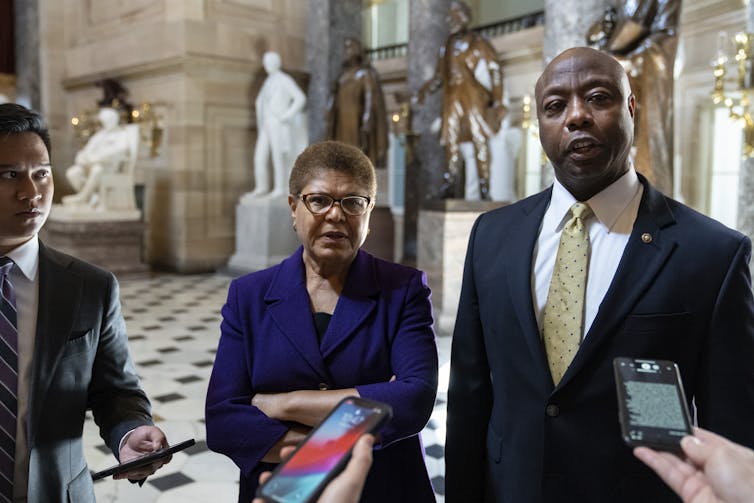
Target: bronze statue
[
  {"x": 643, "y": 36},
  {"x": 116, "y": 96},
  {"x": 356, "y": 112},
  {"x": 472, "y": 109}
]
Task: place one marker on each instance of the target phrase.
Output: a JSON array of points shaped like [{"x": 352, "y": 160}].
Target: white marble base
[
  {"x": 113, "y": 244},
  {"x": 443, "y": 235},
  {"x": 85, "y": 213},
  {"x": 264, "y": 234}
]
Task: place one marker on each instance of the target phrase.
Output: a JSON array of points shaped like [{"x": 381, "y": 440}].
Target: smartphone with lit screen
[
  {"x": 324, "y": 452},
  {"x": 652, "y": 405}
]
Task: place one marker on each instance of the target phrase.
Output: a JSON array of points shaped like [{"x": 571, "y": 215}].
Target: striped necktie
[
  {"x": 8, "y": 380},
  {"x": 563, "y": 324}
]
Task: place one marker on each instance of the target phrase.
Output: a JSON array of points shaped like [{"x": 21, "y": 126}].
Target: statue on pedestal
[
  {"x": 642, "y": 35},
  {"x": 504, "y": 150},
  {"x": 281, "y": 130},
  {"x": 472, "y": 110},
  {"x": 356, "y": 112},
  {"x": 103, "y": 170}
]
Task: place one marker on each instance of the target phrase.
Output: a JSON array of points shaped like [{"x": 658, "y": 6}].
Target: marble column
[
  {"x": 26, "y": 14},
  {"x": 427, "y": 33},
  {"x": 566, "y": 23},
  {"x": 746, "y": 171},
  {"x": 330, "y": 23}
]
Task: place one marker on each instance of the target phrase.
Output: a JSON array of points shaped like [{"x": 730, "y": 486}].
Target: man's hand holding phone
[
  {"x": 346, "y": 487},
  {"x": 141, "y": 441}
]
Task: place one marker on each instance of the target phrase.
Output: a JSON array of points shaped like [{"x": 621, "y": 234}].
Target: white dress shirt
[
  {"x": 615, "y": 209},
  {"x": 25, "y": 279}
]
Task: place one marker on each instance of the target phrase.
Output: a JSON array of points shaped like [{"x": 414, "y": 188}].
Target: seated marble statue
[
  {"x": 102, "y": 173},
  {"x": 281, "y": 126}
]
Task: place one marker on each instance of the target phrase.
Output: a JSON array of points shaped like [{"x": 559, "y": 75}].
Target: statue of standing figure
[
  {"x": 356, "y": 112},
  {"x": 471, "y": 77},
  {"x": 281, "y": 130},
  {"x": 642, "y": 35},
  {"x": 103, "y": 169}
]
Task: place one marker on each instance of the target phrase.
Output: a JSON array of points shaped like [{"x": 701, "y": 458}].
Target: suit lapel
[
  {"x": 59, "y": 299},
  {"x": 356, "y": 302},
  {"x": 289, "y": 307},
  {"x": 519, "y": 270},
  {"x": 640, "y": 263}
]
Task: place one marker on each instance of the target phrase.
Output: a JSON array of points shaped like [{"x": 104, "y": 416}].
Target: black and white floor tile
[{"x": 173, "y": 325}]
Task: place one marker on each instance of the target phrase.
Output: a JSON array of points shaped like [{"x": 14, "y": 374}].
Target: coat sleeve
[
  {"x": 413, "y": 358},
  {"x": 469, "y": 395},
  {"x": 235, "y": 427},
  {"x": 725, "y": 397},
  {"x": 115, "y": 397}
]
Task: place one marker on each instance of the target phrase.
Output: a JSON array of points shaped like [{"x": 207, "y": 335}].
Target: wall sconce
[
  {"x": 526, "y": 123},
  {"x": 736, "y": 101},
  {"x": 150, "y": 127},
  {"x": 84, "y": 125}
]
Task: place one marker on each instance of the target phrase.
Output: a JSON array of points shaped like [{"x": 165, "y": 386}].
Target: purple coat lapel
[{"x": 288, "y": 306}]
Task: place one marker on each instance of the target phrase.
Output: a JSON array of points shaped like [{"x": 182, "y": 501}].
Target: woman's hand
[
  {"x": 272, "y": 404},
  {"x": 714, "y": 470},
  {"x": 346, "y": 487},
  {"x": 291, "y": 439},
  {"x": 308, "y": 407}
]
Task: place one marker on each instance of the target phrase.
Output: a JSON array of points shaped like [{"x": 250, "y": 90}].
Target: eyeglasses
[{"x": 319, "y": 204}]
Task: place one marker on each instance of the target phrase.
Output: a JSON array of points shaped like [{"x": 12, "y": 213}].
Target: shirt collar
[
  {"x": 607, "y": 204},
  {"x": 26, "y": 258}
]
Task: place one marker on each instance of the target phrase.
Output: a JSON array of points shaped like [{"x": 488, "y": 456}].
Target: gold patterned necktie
[{"x": 563, "y": 323}]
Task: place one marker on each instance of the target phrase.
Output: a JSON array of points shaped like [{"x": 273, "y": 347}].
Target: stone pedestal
[
  {"x": 114, "y": 245},
  {"x": 264, "y": 234},
  {"x": 381, "y": 239},
  {"x": 443, "y": 235}
]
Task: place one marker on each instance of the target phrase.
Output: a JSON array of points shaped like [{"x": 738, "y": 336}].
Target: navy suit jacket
[
  {"x": 683, "y": 295},
  {"x": 382, "y": 326}
]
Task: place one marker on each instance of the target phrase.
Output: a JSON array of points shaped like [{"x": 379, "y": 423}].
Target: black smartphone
[
  {"x": 144, "y": 460},
  {"x": 651, "y": 402},
  {"x": 324, "y": 452}
]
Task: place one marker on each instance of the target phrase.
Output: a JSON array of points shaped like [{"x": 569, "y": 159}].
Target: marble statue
[
  {"x": 281, "y": 130},
  {"x": 103, "y": 170},
  {"x": 643, "y": 36},
  {"x": 356, "y": 111},
  {"x": 471, "y": 77},
  {"x": 505, "y": 146}
]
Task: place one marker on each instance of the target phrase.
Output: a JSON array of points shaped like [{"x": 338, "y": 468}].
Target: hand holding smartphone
[
  {"x": 324, "y": 452},
  {"x": 651, "y": 403},
  {"x": 143, "y": 460}
]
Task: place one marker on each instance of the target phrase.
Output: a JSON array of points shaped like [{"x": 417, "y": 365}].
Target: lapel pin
[{"x": 646, "y": 238}]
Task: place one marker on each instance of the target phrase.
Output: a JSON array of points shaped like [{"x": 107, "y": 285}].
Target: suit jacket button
[
  {"x": 323, "y": 386},
  {"x": 552, "y": 410}
]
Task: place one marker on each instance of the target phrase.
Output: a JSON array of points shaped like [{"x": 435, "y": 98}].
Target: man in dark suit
[
  {"x": 528, "y": 422},
  {"x": 63, "y": 348}
]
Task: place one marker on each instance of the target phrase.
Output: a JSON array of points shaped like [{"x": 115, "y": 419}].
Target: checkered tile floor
[{"x": 173, "y": 325}]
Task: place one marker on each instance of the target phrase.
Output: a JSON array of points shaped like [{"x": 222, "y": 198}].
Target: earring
[{"x": 294, "y": 225}]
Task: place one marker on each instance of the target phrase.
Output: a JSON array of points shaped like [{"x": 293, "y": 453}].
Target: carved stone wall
[{"x": 199, "y": 64}]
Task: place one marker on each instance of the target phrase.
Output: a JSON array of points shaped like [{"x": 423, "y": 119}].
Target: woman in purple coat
[{"x": 329, "y": 321}]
